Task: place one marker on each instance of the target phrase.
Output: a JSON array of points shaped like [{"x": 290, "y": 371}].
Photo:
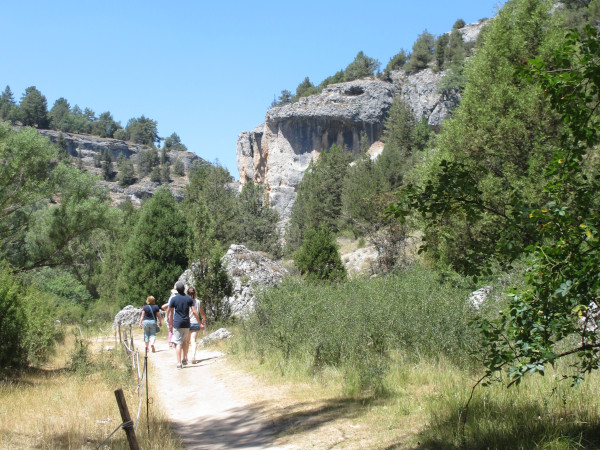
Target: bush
[
  {"x": 356, "y": 325},
  {"x": 318, "y": 258},
  {"x": 27, "y": 329}
]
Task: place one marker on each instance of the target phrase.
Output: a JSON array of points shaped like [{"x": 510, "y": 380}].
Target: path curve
[{"x": 213, "y": 417}]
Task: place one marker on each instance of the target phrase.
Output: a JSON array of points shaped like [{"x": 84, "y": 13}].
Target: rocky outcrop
[
  {"x": 249, "y": 272},
  {"x": 277, "y": 153},
  {"x": 89, "y": 146}
]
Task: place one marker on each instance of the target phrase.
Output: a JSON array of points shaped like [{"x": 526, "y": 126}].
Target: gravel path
[{"x": 203, "y": 409}]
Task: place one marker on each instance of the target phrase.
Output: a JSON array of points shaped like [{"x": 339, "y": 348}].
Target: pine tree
[
  {"x": 155, "y": 255},
  {"x": 318, "y": 258}
]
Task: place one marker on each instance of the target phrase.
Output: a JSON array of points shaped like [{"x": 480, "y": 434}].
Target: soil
[{"x": 211, "y": 404}]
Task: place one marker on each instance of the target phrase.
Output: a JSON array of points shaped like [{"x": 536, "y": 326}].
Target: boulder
[{"x": 248, "y": 271}]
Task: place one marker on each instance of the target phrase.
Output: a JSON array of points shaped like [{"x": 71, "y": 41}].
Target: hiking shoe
[
  {"x": 184, "y": 362},
  {"x": 179, "y": 366}
]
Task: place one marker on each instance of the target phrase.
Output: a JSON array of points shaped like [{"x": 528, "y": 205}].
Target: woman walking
[
  {"x": 148, "y": 321},
  {"x": 194, "y": 325}
]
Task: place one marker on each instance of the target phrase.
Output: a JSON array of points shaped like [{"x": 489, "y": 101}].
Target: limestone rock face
[
  {"x": 277, "y": 153},
  {"x": 249, "y": 271},
  {"x": 89, "y": 146}
]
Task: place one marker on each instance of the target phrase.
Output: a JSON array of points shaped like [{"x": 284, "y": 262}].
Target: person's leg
[
  {"x": 177, "y": 340},
  {"x": 192, "y": 342}
]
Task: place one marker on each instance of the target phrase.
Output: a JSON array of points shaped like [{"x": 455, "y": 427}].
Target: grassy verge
[
  {"x": 390, "y": 363},
  {"x": 70, "y": 403}
]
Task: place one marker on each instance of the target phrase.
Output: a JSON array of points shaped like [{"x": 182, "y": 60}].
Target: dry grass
[
  {"x": 51, "y": 407},
  {"x": 421, "y": 408}
]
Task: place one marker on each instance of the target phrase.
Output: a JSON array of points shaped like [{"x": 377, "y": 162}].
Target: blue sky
[{"x": 207, "y": 71}]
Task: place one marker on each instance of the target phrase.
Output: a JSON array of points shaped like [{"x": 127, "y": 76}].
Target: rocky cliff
[
  {"x": 89, "y": 146},
  {"x": 277, "y": 153}
]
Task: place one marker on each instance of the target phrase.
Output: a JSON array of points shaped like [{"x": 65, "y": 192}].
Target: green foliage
[
  {"x": 8, "y": 108},
  {"x": 455, "y": 52},
  {"x": 212, "y": 284},
  {"x": 396, "y": 62},
  {"x": 178, "y": 167},
  {"x": 107, "y": 170},
  {"x": 258, "y": 222},
  {"x": 142, "y": 131},
  {"x": 361, "y": 67},
  {"x": 356, "y": 325},
  {"x": 458, "y": 24},
  {"x": 319, "y": 200},
  {"x": 422, "y": 52},
  {"x": 155, "y": 255},
  {"x": 305, "y": 89},
  {"x": 173, "y": 142},
  {"x": 126, "y": 175},
  {"x": 495, "y": 146},
  {"x": 147, "y": 160},
  {"x": 454, "y": 80},
  {"x": 554, "y": 314},
  {"x": 318, "y": 258},
  {"x": 440, "y": 50},
  {"x": 34, "y": 108},
  {"x": 26, "y": 324},
  {"x": 210, "y": 188}
]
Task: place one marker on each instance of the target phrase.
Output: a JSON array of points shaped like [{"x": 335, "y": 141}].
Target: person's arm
[
  {"x": 142, "y": 317},
  {"x": 202, "y": 313},
  {"x": 195, "y": 313},
  {"x": 170, "y": 317},
  {"x": 159, "y": 317}
]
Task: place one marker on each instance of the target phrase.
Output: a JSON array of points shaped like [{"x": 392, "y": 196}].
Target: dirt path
[{"x": 202, "y": 407}]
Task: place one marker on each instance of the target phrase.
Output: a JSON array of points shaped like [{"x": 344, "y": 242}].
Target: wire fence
[{"x": 125, "y": 339}]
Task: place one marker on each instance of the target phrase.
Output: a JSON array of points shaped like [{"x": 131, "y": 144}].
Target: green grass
[{"x": 402, "y": 346}]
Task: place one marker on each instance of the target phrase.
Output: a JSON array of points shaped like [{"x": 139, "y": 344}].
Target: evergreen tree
[
  {"x": 165, "y": 173},
  {"x": 179, "y": 167},
  {"x": 210, "y": 185},
  {"x": 422, "y": 52},
  {"x": 155, "y": 255},
  {"x": 361, "y": 67},
  {"x": 147, "y": 161},
  {"x": 440, "y": 50},
  {"x": 396, "y": 62},
  {"x": 107, "y": 170},
  {"x": 318, "y": 259},
  {"x": 59, "y": 113},
  {"x": 126, "y": 176},
  {"x": 258, "y": 222},
  {"x": 142, "y": 131},
  {"x": 319, "y": 195},
  {"x": 34, "y": 108},
  {"x": 8, "y": 107},
  {"x": 173, "y": 142},
  {"x": 105, "y": 126},
  {"x": 305, "y": 89},
  {"x": 455, "y": 51}
]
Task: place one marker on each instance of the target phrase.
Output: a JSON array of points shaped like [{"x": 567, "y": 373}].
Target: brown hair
[
  {"x": 191, "y": 292},
  {"x": 150, "y": 300}
]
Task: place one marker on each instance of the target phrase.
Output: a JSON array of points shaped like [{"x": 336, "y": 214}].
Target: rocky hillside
[
  {"x": 278, "y": 152},
  {"x": 90, "y": 146}
]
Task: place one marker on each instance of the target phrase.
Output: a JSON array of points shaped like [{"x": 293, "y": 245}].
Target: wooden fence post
[{"x": 128, "y": 423}]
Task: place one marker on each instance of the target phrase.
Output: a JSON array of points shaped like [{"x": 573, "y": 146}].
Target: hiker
[
  {"x": 194, "y": 325},
  {"x": 148, "y": 321},
  {"x": 165, "y": 308},
  {"x": 179, "y": 310}
]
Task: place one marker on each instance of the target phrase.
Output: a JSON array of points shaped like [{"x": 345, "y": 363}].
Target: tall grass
[
  {"x": 353, "y": 326},
  {"x": 70, "y": 402},
  {"x": 402, "y": 348}
]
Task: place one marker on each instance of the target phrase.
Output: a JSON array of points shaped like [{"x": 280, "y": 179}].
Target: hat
[{"x": 180, "y": 286}]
